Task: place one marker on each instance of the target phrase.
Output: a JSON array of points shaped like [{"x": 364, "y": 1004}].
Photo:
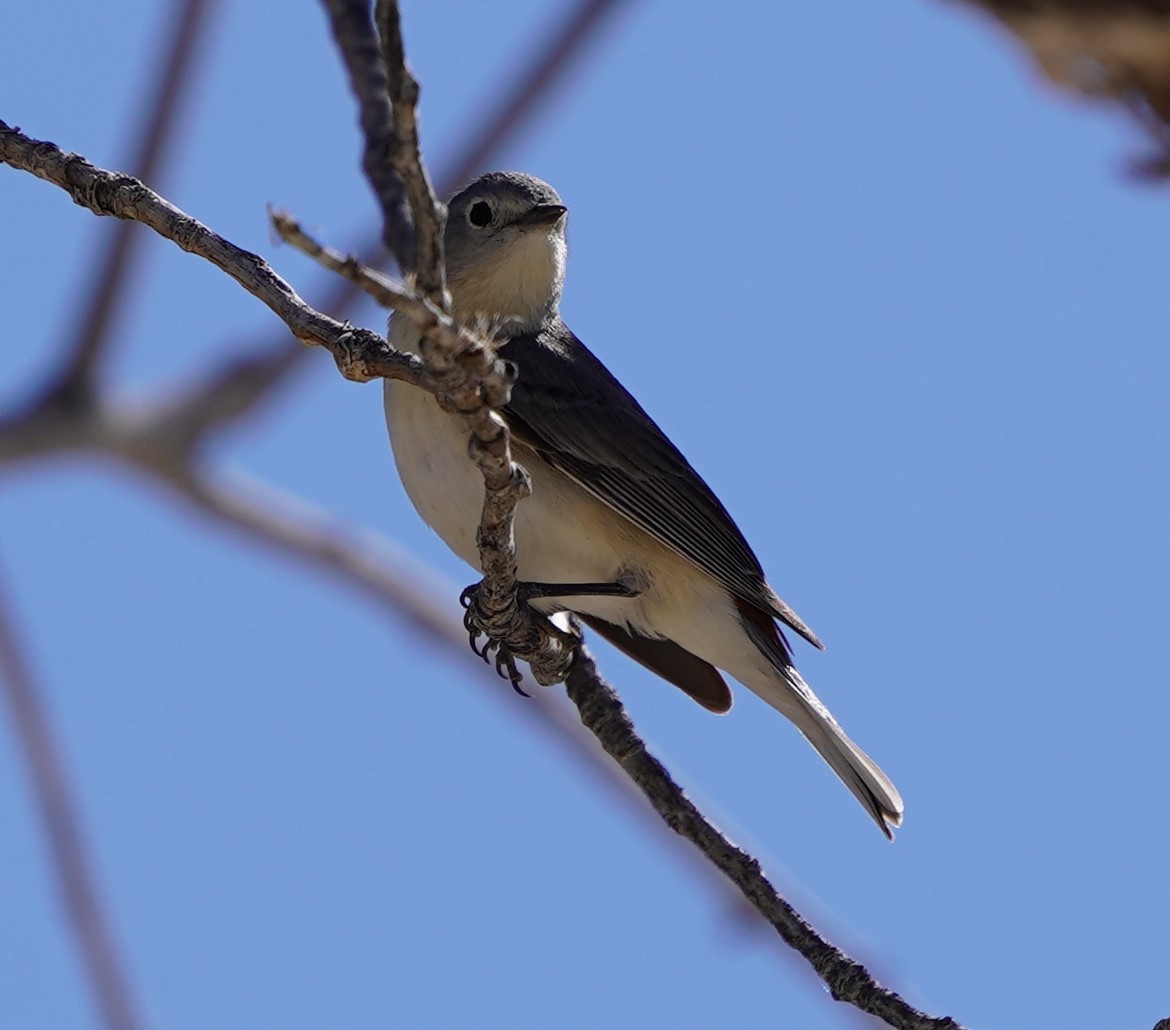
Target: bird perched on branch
[{"x": 619, "y": 529}]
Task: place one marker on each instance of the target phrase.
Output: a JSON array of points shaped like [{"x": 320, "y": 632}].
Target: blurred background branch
[
  {"x": 113, "y": 265},
  {"x": 1117, "y": 53},
  {"x": 70, "y": 861}
]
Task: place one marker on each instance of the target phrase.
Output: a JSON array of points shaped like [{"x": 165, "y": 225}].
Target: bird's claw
[
  {"x": 506, "y": 669},
  {"x": 473, "y": 631},
  {"x": 505, "y": 662}
]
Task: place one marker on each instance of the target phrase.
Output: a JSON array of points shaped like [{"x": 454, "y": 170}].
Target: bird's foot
[
  {"x": 505, "y": 661},
  {"x": 506, "y": 637}
]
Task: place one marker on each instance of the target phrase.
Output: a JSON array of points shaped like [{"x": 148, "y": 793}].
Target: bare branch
[
  {"x": 111, "y": 265},
  {"x": 381, "y": 288},
  {"x": 76, "y": 880},
  {"x": 353, "y": 31},
  {"x": 283, "y": 523},
  {"x": 361, "y": 354},
  {"x": 162, "y": 441},
  {"x": 504, "y": 619},
  {"x": 602, "y": 712},
  {"x": 500, "y": 614},
  {"x": 427, "y": 213}
]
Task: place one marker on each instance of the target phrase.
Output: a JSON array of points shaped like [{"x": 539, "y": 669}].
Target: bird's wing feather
[
  {"x": 689, "y": 673},
  {"x": 569, "y": 408}
]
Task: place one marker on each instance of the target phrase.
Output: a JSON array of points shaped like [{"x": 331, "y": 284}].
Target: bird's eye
[{"x": 479, "y": 214}]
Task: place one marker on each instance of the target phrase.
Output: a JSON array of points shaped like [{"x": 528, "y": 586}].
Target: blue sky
[{"x": 895, "y": 299}]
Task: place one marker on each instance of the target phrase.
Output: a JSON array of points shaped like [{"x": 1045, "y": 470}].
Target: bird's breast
[
  {"x": 563, "y": 534},
  {"x": 441, "y": 480}
]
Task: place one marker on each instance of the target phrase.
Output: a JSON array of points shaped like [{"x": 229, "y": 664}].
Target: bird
[{"x": 644, "y": 551}]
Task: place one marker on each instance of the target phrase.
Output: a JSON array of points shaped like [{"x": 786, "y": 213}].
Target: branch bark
[
  {"x": 405, "y": 156},
  {"x": 459, "y": 368},
  {"x": 356, "y": 39},
  {"x": 848, "y": 981}
]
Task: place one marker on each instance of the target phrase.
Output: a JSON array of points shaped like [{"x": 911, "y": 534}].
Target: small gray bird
[{"x": 615, "y": 508}]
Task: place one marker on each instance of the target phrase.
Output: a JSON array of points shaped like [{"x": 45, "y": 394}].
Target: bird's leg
[{"x": 533, "y": 591}]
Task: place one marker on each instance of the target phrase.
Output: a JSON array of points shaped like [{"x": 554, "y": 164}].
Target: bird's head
[{"x": 505, "y": 249}]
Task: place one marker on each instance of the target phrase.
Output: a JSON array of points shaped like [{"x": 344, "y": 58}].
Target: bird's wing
[{"x": 569, "y": 408}]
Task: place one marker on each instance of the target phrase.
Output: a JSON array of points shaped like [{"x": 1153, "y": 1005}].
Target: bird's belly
[{"x": 563, "y": 534}]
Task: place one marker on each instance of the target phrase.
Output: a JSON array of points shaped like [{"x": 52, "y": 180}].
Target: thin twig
[
  {"x": 459, "y": 368},
  {"x": 381, "y": 288},
  {"x": 111, "y": 265},
  {"x": 58, "y": 814},
  {"x": 848, "y": 981}
]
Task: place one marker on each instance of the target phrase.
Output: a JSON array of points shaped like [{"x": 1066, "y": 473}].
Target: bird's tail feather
[
  {"x": 788, "y": 693},
  {"x": 785, "y": 690},
  {"x": 857, "y": 770}
]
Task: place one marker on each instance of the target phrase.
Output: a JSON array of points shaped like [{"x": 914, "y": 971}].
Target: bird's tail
[
  {"x": 785, "y": 690},
  {"x": 857, "y": 770}
]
